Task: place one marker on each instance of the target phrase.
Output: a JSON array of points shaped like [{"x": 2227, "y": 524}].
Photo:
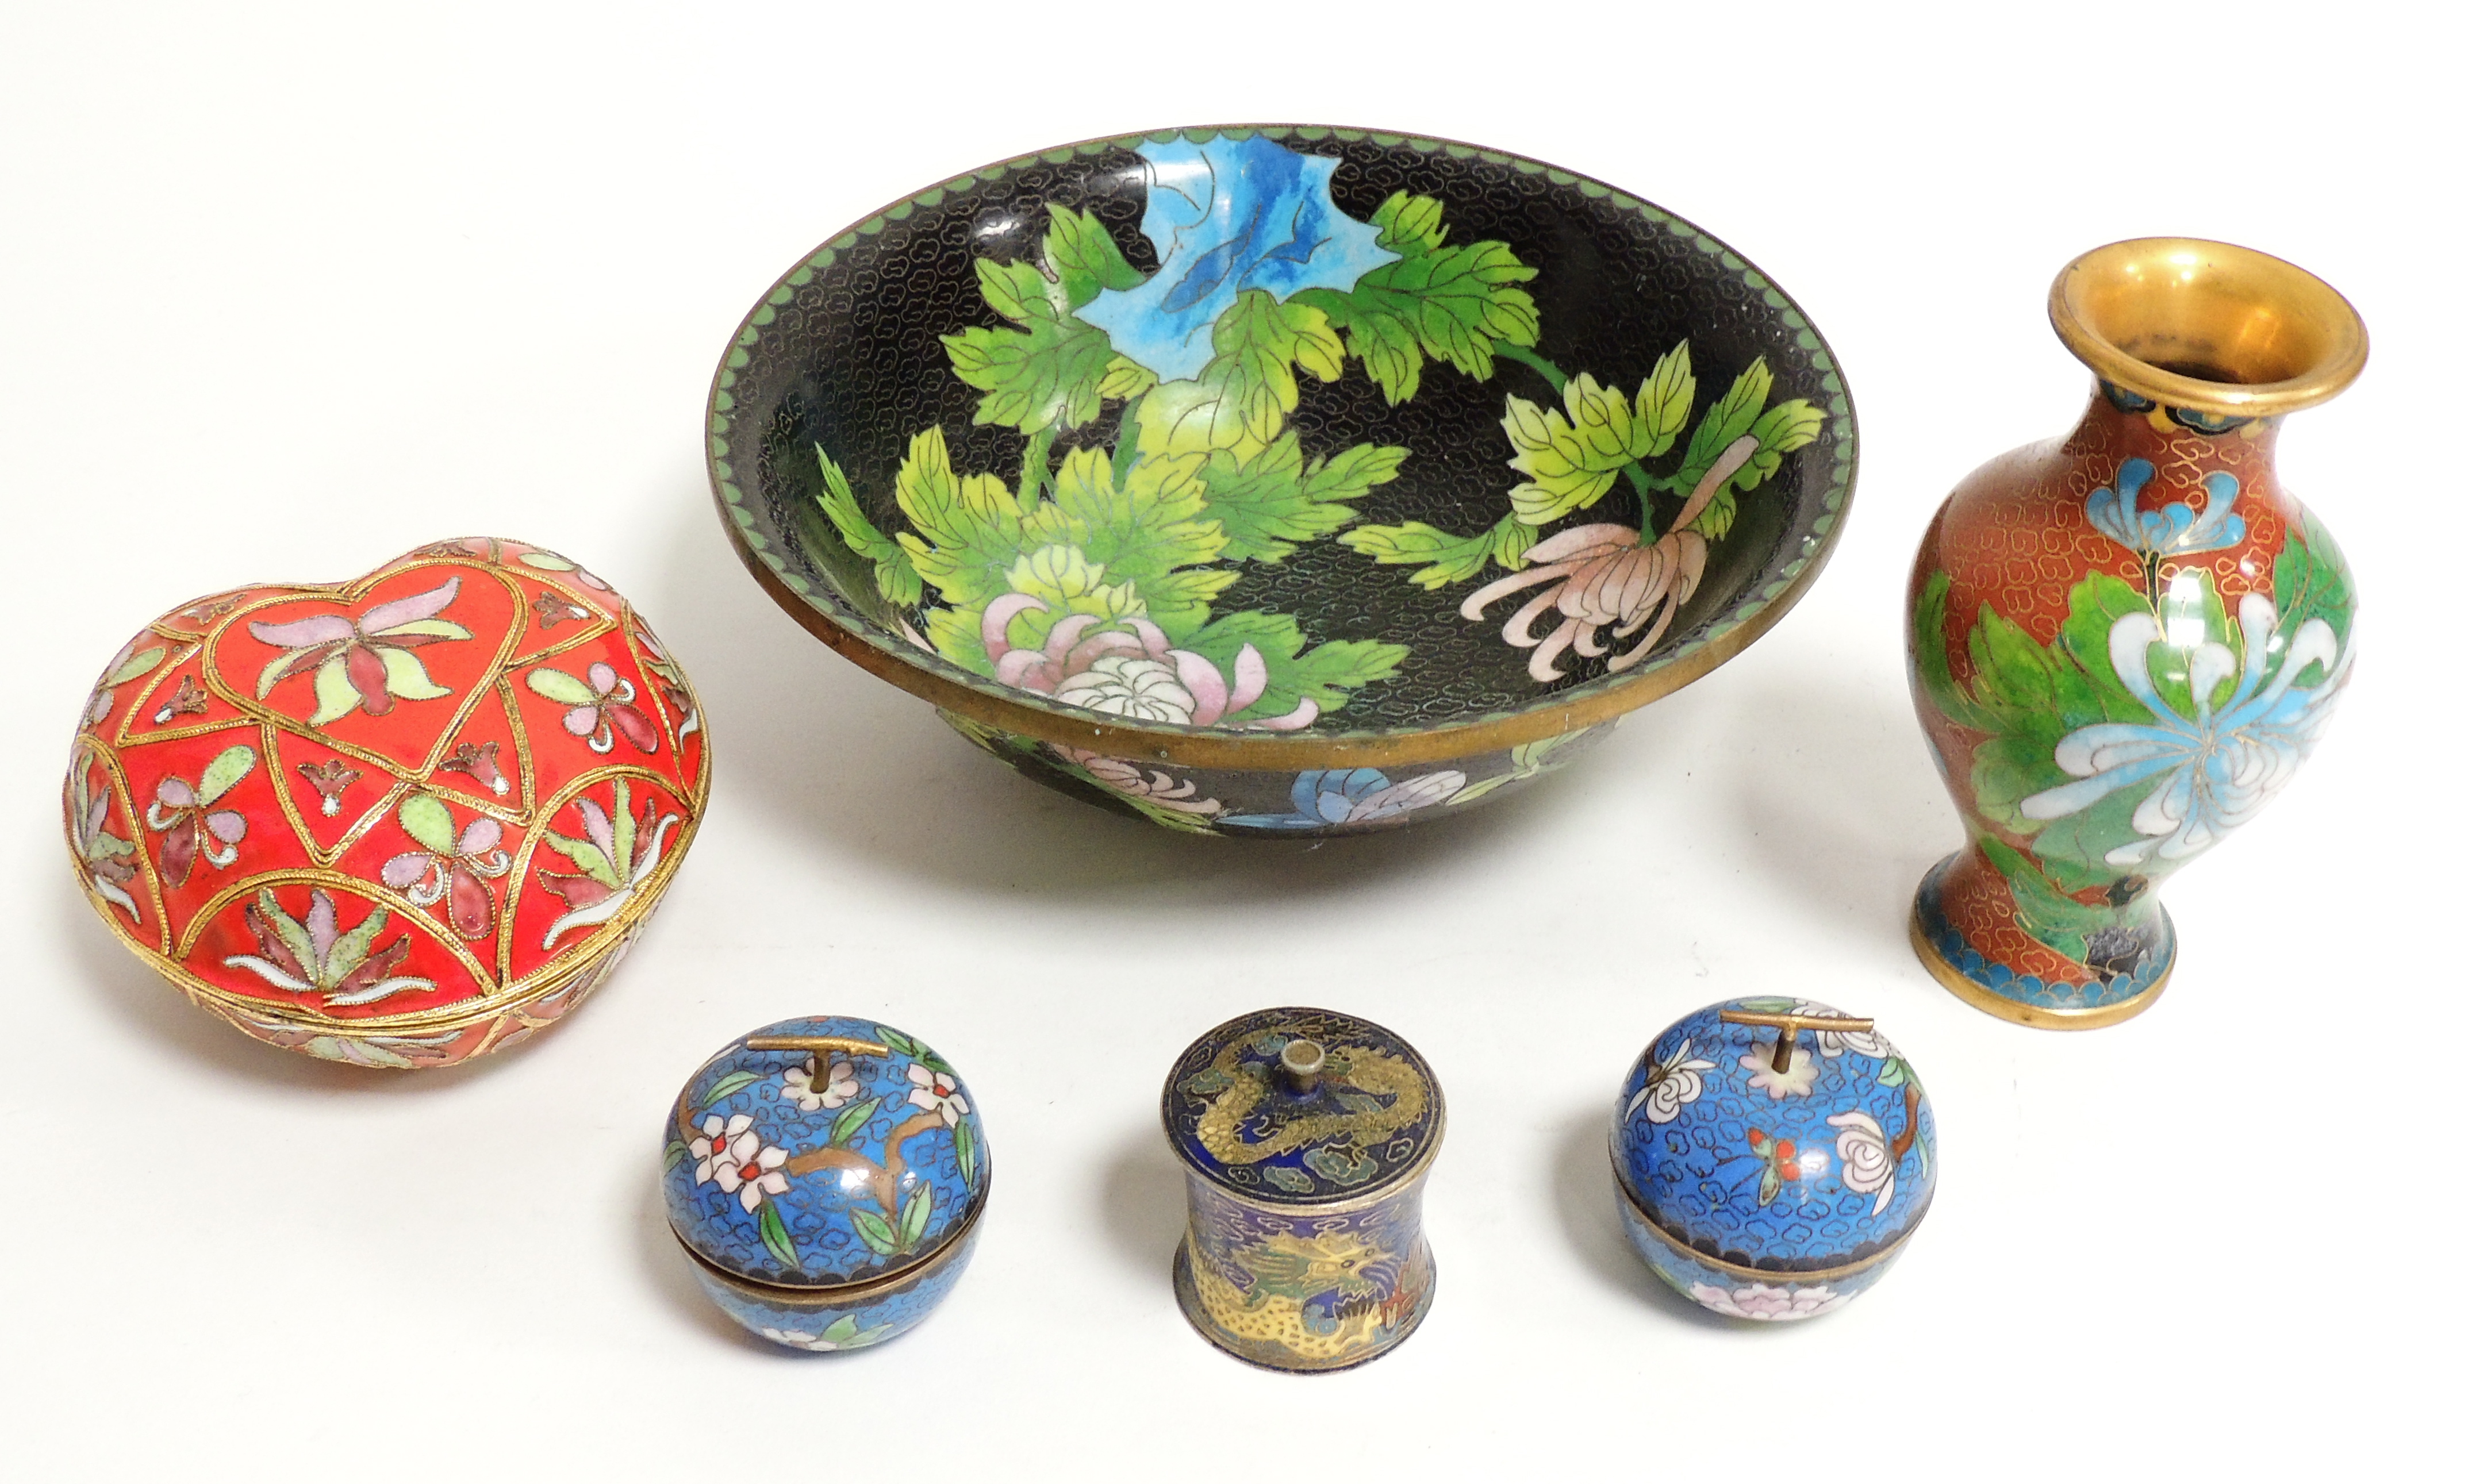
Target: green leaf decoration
[
  {"x": 336, "y": 696},
  {"x": 1449, "y": 304},
  {"x": 1778, "y": 432},
  {"x": 894, "y": 577},
  {"x": 914, "y": 1212},
  {"x": 557, "y": 684},
  {"x": 734, "y": 1082},
  {"x": 2311, "y": 581},
  {"x": 1085, "y": 258},
  {"x": 1664, "y": 406},
  {"x": 144, "y": 661},
  {"x": 673, "y": 1155},
  {"x": 1273, "y": 501},
  {"x": 353, "y": 947},
  {"x": 1036, "y": 377},
  {"x": 228, "y": 768},
  {"x": 2049, "y": 914},
  {"x": 852, "y": 1120},
  {"x": 1124, "y": 380},
  {"x": 407, "y": 679},
  {"x": 1722, "y": 424},
  {"x": 586, "y": 857},
  {"x": 546, "y": 561},
  {"x": 1249, "y": 387},
  {"x": 1770, "y": 1183},
  {"x": 842, "y": 1330},
  {"x": 1148, "y": 534},
  {"x": 896, "y": 1039},
  {"x": 875, "y": 1232},
  {"x": 1571, "y": 455},
  {"x": 968, "y": 529},
  {"x": 295, "y": 937},
  {"x": 1893, "y": 1072},
  {"x": 426, "y": 820},
  {"x": 965, "y": 1152},
  {"x": 775, "y": 1236},
  {"x": 1451, "y": 558},
  {"x": 1769, "y": 1004},
  {"x": 1325, "y": 674}
]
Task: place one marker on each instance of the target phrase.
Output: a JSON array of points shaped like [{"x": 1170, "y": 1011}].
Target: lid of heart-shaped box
[{"x": 378, "y": 820}]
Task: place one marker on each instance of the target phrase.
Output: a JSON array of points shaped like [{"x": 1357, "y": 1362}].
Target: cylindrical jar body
[
  {"x": 1306, "y": 1137},
  {"x": 1304, "y": 1288}
]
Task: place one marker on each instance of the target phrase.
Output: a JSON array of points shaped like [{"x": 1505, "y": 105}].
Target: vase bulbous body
[{"x": 2122, "y": 643}]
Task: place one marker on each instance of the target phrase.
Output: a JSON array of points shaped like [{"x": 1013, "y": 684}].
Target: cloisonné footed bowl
[{"x": 1280, "y": 481}]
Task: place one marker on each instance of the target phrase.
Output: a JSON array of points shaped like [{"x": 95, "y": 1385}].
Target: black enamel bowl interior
[{"x": 1281, "y": 447}]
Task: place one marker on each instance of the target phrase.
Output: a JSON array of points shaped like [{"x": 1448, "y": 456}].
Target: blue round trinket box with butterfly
[
  {"x": 1772, "y": 1156},
  {"x": 825, "y": 1176}
]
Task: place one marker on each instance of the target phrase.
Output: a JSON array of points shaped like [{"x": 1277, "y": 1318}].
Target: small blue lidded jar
[
  {"x": 1306, "y": 1137},
  {"x": 1771, "y": 1157},
  {"x": 825, "y": 1176}
]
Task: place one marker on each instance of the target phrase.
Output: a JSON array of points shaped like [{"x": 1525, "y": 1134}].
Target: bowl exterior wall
[{"x": 1282, "y": 804}]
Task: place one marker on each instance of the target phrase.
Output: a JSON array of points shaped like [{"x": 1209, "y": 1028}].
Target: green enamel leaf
[
  {"x": 1046, "y": 375},
  {"x": 1451, "y": 304},
  {"x": 1084, "y": 257},
  {"x": 1124, "y": 380},
  {"x": 295, "y": 937},
  {"x": 2312, "y": 581},
  {"x": 1273, "y": 500},
  {"x": 427, "y": 821},
  {"x": 673, "y": 1155},
  {"x": 1893, "y": 1072},
  {"x": 228, "y": 768},
  {"x": 734, "y": 1082},
  {"x": 1249, "y": 387},
  {"x": 894, "y": 577},
  {"x": 965, "y": 1152},
  {"x": 1145, "y": 533},
  {"x": 1732, "y": 416},
  {"x": 896, "y": 1039},
  {"x": 586, "y": 857},
  {"x": 777, "y": 1235},
  {"x": 622, "y": 829},
  {"x": 143, "y": 662},
  {"x": 968, "y": 528},
  {"x": 1770, "y": 1183},
  {"x": 1017, "y": 290},
  {"x": 1769, "y": 1004},
  {"x": 1409, "y": 224},
  {"x": 557, "y": 684},
  {"x": 842, "y": 1330},
  {"x": 407, "y": 679},
  {"x": 1448, "y": 559},
  {"x": 1326, "y": 675},
  {"x": 875, "y": 1232},
  {"x": 1664, "y": 407},
  {"x": 436, "y": 628},
  {"x": 914, "y": 1212},
  {"x": 851, "y": 1120},
  {"x": 546, "y": 561},
  {"x": 2094, "y": 691},
  {"x": 336, "y": 698},
  {"x": 2051, "y": 916},
  {"x": 1777, "y": 432},
  {"x": 353, "y": 947}
]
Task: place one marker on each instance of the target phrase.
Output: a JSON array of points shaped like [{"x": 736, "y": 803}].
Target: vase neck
[{"x": 2186, "y": 444}]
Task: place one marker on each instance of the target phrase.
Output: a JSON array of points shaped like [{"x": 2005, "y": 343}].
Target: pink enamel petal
[
  {"x": 405, "y": 871},
  {"x": 583, "y": 720},
  {"x": 1515, "y": 629},
  {"x": 1582, "y": 541},
  {"x": 1639, "y": 651},
  {"x": 1735, "y": 455},
  {"x": 604, "y": 679},
  {"x": 1253, "y": 679},
  {"x": 1210, "y": 687},
  {"x": 1303, "y": 716},
  {"x": 480, "y": 837},
  {"x": 300, "y": 633},
  {"x": 596, "y": 827},
  {"x": 999, "y": 617},
  {"x": 1473, "y": 609},
  {"x": 227, "y": 825},
  {"x": 1027, "y": 669},
  {"x": 1089, "y": 651},
  {"x": 404, "y": 610},
  {"x": 1154, "y": 641},
  {"x": 320, "y": 923},
  {"x": 1067, "y": 628},
  {"x": 1540, "y": 665},
  {"x": 174, "y": 794}
]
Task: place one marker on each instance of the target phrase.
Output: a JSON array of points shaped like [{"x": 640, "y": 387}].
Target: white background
[{"x": 287, "y": 291}]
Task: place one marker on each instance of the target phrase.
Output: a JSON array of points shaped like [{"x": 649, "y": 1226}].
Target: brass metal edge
[
  {"x": 824, "y": 1294},
  {"x": 1270, "y": 752},
  {"x": 2268, "y": 281},
  {"x": 2041, "y": 1018},
  {"x": 1815, "y": 1275}
]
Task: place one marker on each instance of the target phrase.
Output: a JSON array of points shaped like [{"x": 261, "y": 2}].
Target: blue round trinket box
[
  {"x": 1772, "y": 1156},
  {"x": 825, "y": 1176},
  {"x": 1306, "y": 1137}
]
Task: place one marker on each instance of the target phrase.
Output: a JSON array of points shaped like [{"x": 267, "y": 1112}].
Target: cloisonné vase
[{"x": 2123, "y": 642}]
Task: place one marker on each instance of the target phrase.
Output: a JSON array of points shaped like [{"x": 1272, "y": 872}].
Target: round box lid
[
  {"x": 823, "y": 1151},
  {"x": 1300, "y": 1107},
  {"x": 1799, "y": 1160}
]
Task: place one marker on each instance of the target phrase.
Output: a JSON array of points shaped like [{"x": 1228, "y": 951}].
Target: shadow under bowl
[{"x": 1280, "y": 481}]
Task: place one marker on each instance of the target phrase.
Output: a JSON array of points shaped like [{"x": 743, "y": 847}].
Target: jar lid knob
[
  {"x": 1301, "y": 1065},
  {"x": 817, "y": 1048},
  {"x": 1790, "y": 1027}
]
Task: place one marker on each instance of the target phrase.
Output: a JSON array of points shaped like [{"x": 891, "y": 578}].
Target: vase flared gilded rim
[{"x": 2208, "y": 326}]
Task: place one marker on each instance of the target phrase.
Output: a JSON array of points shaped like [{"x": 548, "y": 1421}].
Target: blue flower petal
[{"x": 1226, "y": 217}]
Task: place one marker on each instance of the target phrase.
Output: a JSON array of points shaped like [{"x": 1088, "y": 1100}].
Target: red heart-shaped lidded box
[{"x": 400, "y": 821}]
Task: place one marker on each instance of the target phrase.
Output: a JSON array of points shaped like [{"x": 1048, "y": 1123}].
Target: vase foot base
[{"x": 2029, "y": 983}]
